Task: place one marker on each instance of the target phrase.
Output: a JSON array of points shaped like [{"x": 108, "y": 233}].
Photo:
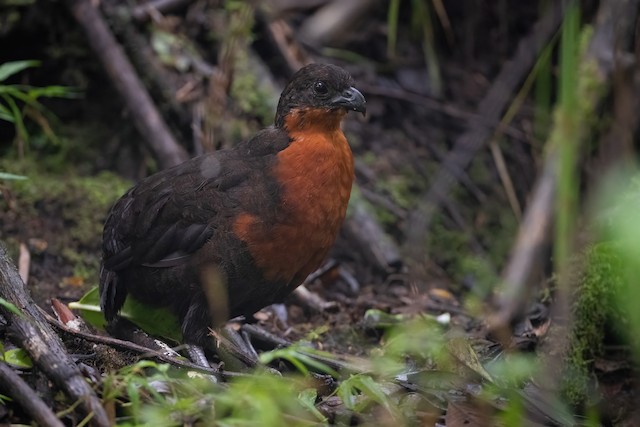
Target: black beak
[{"x": 351, "y": 99}]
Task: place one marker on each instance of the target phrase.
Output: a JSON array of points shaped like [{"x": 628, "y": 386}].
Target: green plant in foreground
[
  {"x": 145, "y": 386},
  {"x": 20, "y": 101},
  {"x": 300, "y": 357},
  {"x": 619, "y": 205},
  {"x": 595, "y": 313},
  {"x": 9, "y": 306},
  {"x": 154, "y": 394},
  {"x": 418, "y": 353},
  {"x": 17, "y": 357}
]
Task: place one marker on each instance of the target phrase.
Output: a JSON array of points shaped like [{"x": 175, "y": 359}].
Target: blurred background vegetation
[{"x": 487, "y": 272}]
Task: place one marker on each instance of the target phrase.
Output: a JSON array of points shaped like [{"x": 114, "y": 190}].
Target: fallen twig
[
  {"x": 334, "y": 21},
  {"x": 283, "y": 39},
  {"x": 450, "y": 110},
  {"x": 136, "y": 348},
  {"x": 145, "y": 11},
  {"x": 529, "y": 246},
  {"x": 30, "y": 331},
  {"x": 489, "y": 110},
  {"x": 14, "y": 386},
  {"x": 365, "y": 230},
  {"x": 24, "y": 262},
  {"x": 313, "y": 300},
  {"x": 595, "y": 83},
  {"x": 159, "y": 79},
  {"x": 146, "y": 117}
]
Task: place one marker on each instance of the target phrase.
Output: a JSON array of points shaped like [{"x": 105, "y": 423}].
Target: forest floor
[{"x": 54, "y": 218}]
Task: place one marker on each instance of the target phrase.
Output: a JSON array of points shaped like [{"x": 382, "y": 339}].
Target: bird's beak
[{"x": 351, "y": 99}]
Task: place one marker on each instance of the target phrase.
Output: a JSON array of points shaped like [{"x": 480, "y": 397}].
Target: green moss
[
  {"x": 594, "y": 312},
  {"x": 250, "y": 96},
  {"x": 453, "y": 249},
  {"x": 479, "y": 173},
  {"x": 449, "y": 248},
  {"x": 82, "y": 202},
  {"x": 67, "y": 211},
  {"x": 402, "y": 185},
  {"x": 485, "y": 277},
  {"x": 400, "y": 188}
]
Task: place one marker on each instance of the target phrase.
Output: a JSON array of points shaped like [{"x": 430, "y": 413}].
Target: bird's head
[{"x": 324, "y": 90}]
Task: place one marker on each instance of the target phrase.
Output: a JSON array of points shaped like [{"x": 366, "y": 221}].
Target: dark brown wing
[{"x": 168, "y": 216}]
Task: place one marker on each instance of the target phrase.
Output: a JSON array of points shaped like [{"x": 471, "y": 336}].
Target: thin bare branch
[
  {"x": 13, "y": 385},
  {"x": 489, "y": 110},
  {"x": 146, "y": 117}
]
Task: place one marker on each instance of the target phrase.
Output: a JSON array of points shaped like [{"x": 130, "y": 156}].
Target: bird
[{"x": 259, "y": 216}]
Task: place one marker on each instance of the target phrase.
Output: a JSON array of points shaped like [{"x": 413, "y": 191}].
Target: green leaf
[
  {"x": 298, "y": 356},
  {"x": 24, "y": 97},
  {"x": 461, "y": 349},
  {"x": 376, "y": 392},
  {"x": 5, "y": 114},
  {"x": 9, "y": 306},
  {"x": 348, "y": 393},
  {"x": 159, "y": 322},
  {"x": 18, "y": 357},
  {"x": 133, "y": 391},
  {"x": 17, "y": 116},
  {"x": 369, "y": 388},
  {"x": 10, "y": 68},
  {"x": 89, "y": 307},
  {"x": 53, "y": 92},
  {"x": 308, "y": 399},
  {"x": 10, "y": 176},
  {"x": 10, "y": 89},
  {"x": 374, "y": 318}
]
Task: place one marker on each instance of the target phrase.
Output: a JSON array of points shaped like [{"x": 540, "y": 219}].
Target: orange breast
[{"x": 316, "y": 175}]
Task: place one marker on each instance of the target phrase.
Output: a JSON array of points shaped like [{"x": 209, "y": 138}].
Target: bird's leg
[
  {"x": 247, "y": 340},
  {"x": 232, "y": 349},
  {"x": 240, "y": 342},
  {"x": 125, "y": 330},
  {"x": 197, "y": 356}
]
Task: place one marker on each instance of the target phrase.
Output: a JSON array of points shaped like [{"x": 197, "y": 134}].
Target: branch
[
  {"x": 489, "y": 110},
  {"x": 530, "y": 243},
  {"x": 30, "y": 331},
  {"x": 136, "y": 348},
  {"x": 614, "y": 28},
  {"x": 145, "y": 11},
  {"x": 13, "y": 385},
  {"x": 145, "y": 115},
  {"x": 363, "y": 229},
  {"x": 334, "y": 22}
]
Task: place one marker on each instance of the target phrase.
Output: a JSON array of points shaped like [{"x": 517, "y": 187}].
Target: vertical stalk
[{"x": 567, "y": 120}]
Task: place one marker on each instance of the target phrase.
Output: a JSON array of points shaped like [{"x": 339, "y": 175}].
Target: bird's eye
[{"x": 320, "y": 88}]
